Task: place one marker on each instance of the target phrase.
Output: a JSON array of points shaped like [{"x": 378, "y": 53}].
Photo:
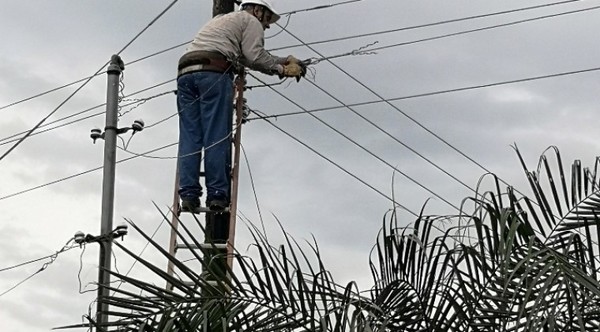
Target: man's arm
[{"x": 254, "y": 54}]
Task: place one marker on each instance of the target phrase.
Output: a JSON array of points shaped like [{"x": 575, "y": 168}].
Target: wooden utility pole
[
  {"x": 222, "y": 6},
  {"x": 217, "y": 225}
]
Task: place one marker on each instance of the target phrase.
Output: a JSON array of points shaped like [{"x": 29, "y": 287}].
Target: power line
[
  {"x": 480, "y": 29},
  {"x": 317, "y": 42},
  {"x": 52, "y": 258},
  {"x": 362, "y": 147},
  {"x": 83, "y": 85},
  {"x": 384, "y": 100},
  {"x": 394, "y": 107},
  {"x": 82, "y": 173},
  {"x": 419, "y": 26},
  {"x": 428, "y": 94},
  {"x": 381, "y": 100},
  {"x": 7, "y": 139},
  {"x": 48, "y": 91},
  {"x": 320, "y": 7},
  {"x": 339, "y": 167},
  {"x": 173, "y": 144},
  {"x": 159, "y": 52},
  {"x": 29, "y": 262},
  {"x": 406, "y": 115}
]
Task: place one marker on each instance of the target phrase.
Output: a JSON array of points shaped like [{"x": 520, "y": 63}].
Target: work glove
[
  {"x": 292, "y": 59},
  {"x": 296, "y": 70}
]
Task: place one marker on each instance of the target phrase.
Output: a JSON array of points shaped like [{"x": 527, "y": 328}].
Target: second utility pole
[{"x": 108, "y": 186}]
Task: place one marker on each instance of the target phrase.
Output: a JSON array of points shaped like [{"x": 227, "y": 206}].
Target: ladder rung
[
  {"x": 193, "y": 246},
  {"x": 203, "y": 209},
  {"x": 212, "y": 283}
]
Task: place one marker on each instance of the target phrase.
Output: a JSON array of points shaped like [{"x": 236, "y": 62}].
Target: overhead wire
[
  {"x": 159, "y": 52},
  {"x": 360, "y": 145},
  {"x": 7, "y": 152},
  {"x": 316, "y": 42},
  {"x": 373, "y": 124},
  {"x": 398, "y": 98},
  {"x": 7, "y": 139},
  {"x": 253, "y": 186},
  {"x": 426, "y": 25},
  {"x": 427, "y": 94},
  {"x": 339, "y": 167},
  {"x": 381, "y": 100},
  {"x": 52, "y": 258},
  {"x": 84, "y": 172},
  {"x": 392, "y": 105},
  {"x": 379, "y": 48},
  {"x": 402, "y": 112},
  {"x": 12, "y": 137},
  {"x": 12, "y": 267}
]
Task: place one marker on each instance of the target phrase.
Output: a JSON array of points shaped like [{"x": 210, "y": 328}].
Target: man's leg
[
  {"x": 217, "y": 122},
  {"x": 190, "y": 139}
]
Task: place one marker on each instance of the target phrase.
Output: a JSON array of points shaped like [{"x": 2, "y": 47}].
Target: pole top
[{"x": 116, "y": 64}]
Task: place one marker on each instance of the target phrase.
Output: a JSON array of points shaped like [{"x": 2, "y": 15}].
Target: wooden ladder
[{"x": 217, "y": 239}]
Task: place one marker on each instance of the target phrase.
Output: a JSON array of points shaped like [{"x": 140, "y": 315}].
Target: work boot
[
  {"x": 192, "y": 206},
  {"x": 217, "y": 204}
]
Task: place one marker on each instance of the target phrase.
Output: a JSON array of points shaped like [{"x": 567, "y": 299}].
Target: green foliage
[{"x": 510, "y": 263}]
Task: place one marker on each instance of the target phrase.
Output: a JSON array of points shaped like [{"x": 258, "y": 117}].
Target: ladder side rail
[
  {"x": 175, "y": 225},
  {"x": 240, "y": 86}
]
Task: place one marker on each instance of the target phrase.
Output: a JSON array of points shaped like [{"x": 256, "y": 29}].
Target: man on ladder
[{"x": 205, "y": 95}]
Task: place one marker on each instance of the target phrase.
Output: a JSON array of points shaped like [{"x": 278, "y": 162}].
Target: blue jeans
[{"x": 205, "y": 106}]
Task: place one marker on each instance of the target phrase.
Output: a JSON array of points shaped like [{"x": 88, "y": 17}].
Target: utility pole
[
  {"x": 111, "y": 131},
  {"x": 222, "y": 7},
  {"x": 217, "y": 225}
]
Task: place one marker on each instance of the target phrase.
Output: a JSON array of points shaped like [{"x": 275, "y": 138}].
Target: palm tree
[{"x": 507, "y": 262}]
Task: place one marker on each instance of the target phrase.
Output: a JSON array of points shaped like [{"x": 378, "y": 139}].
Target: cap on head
[{"x": 267, "y": 4}]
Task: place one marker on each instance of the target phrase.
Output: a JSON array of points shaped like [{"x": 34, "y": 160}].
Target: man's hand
[
  {"x": 291, "y": 59},
  {"x": 296, "y": 70}
]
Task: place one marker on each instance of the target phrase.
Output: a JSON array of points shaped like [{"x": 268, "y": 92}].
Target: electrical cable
[
  {"x": 425, "y": 94},
  {"x": 453, "y": 90},
  {"x": 47, "y": 92},
  {"x": 28, "y": 262},
  {"x": 401, "y": 143},
  {"x": 83, "y": 173},
  {"x": 419, "y": 26},
  {"x": 320, "y": 7},
  {"x": 311, "y": 43},
  {"x": 367, "y": 150},
  {"x": 12, "y": 138},
  {"x": 331, "y": 108},
  {"x": 135, "y": 155},
  {"x": 156, "y": 53},
  {"x": 6, "y": 153},
  {"x": 253, "y": 189},
  {"x": 339, "y": 167},
  {"x": 383, "y": 100},
  {"x": 143, "y": 250},
  {"x": 81, "y": 288},
  {"x": 478, "y": 29},
  {"x": 395, "y": 107},
  {"x": 407, "y": 116},
  {"x": 52, "y": 257}
]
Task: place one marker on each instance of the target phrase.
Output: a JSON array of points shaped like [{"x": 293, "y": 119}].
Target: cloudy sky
[{"x": 405, "y": 133}]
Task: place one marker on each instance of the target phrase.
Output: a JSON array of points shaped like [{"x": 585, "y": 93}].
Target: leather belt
[
  {"x": 206, "y": 64},
  {"x": 195, "y": 68}
]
